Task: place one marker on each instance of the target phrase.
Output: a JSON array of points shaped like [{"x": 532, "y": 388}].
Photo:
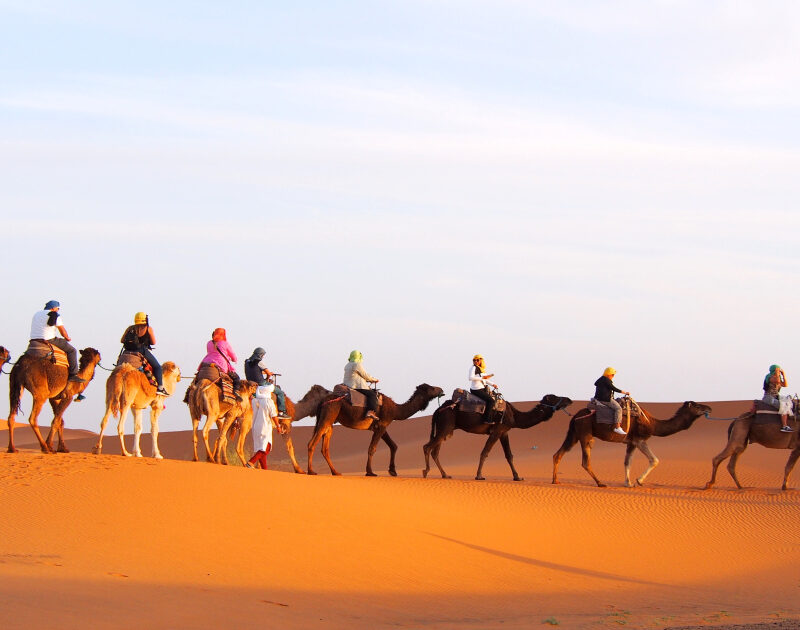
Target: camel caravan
[{"x": 51, "y": 370}]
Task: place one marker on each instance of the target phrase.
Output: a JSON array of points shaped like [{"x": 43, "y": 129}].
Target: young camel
[
  {"x": 742, "y": 431},
  {"x": 584, "y": 428},
  {"x": 448, "y": 417},
  {"x": 127, "y": 388},
  {"x": 47, "y": 381},
  {"x": 204, "y": 401},
  {"x": 305, "y": 407},
  {"x": 336, "y": 409}
]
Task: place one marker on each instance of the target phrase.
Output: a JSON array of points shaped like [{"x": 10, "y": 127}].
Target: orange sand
[{"x": 108, "y": 542}]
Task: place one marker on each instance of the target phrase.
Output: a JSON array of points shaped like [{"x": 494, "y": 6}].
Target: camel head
[
  {"x": 247, "y": 390},
  {"x": 556, "y": 403},
  {"x": 89, "y": 356},
  {"x": 5, "y": 355},
  {"x": 428, "y": 393},
  {"x": 695, "y": 409}
]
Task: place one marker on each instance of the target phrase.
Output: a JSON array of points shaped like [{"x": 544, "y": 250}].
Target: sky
[{"x": 559, "y": 186}]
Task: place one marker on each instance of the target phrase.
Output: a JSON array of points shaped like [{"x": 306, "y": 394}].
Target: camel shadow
[{"x": 552, "y": 565}]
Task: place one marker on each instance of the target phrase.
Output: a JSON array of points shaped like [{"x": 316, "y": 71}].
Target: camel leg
[
  {"x": 12, "y": 416},
  {"x": 732, "y": 465},
  {"x": 137, "y": 431},
  {"x": 155, "y": 412},
  {"x": 37, "y": 408},
  {"x": 392, "y": 451},
  {"x": 504, "y": 441},
  {"x": 326, "y": 450},
  {"x": 287, "y": 438},
  {"x": 793, "y": 456},
  {"x": 98, "y": 448},
  {"x": 123, "y": 412},
  {"x": 651, "y": 457},
  {"x": 373, "y": 446},
  {"x": 443, "y": 430},
  {"x": 629, "y": 448},
  {"x": 485, "y": 453},
  {"x": 195, "y": 424},
  {"x": 210, "y": 421},
  {"x": 325, "y": 421},
  {"x": 730, "y": 448},
  {"x": 570, "y": 440},
  {"x": 586, "y": 459},
  {"x": 435, "y": 454}
]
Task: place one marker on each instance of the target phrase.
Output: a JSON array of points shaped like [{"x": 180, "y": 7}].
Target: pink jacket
[{"x": 223, "y": 358}]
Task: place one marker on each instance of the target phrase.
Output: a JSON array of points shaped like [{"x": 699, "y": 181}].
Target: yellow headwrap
[
  {"x": 481, "y": 362},
  {"x": 609, "y": 372}
]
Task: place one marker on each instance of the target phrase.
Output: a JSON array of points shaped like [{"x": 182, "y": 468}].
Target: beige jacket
[{"x": 356, "y": 377}]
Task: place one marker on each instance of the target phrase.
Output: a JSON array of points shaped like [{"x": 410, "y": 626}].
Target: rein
[{"x": 709, "y": 417}]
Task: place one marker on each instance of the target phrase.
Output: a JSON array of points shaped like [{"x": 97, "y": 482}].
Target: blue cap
[{"x": 52, "y": 304}]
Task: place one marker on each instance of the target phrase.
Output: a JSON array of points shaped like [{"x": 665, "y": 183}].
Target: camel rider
[
  {"x": 256, "y": 370},
  {"x": 356, "y": 377},
  {"x": 140, "y": 338},
  {"x": 604, "y": 396},
  {"x": 220, "y": 353},
  {"x": 479, "y": 385},
  {"x": 773, "y": 382},
  {"x": 46, "y": 326}
]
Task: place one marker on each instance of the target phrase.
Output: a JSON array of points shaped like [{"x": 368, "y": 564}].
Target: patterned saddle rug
[
  {"x": 353, "y": 396},
  {"x": 211, "y": 372},
  {"x": 39, "y": 349},
  {"x": 767, "y": 414},
  {"x": 470, "y": 403},
  {"x": 137, "y": 360}
]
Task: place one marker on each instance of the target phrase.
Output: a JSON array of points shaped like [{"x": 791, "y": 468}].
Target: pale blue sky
[{"x": 559, "y": 186}]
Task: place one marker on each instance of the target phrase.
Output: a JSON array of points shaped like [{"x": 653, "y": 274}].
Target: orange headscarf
[{"x": 219, "y": 335}]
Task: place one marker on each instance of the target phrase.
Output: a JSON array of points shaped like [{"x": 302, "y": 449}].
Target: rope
[
  {"x": 100, "y": 365},
  {"x": 708, "y": 417}
]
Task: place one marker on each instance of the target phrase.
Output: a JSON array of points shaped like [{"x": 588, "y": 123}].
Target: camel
[
  {"x": 584, "y": 428},
  {"x": 204, "y": 401},
  {"x": 127, "y": 388},
  {"x": 448, "y": 418},
  {"x": 47, "y": 381},
  {"x": 5, "y": 356},
  {"x": 742, "y": 431},
  {"x": 336, "y": 408},
  {"x": 305, "y": 407}
]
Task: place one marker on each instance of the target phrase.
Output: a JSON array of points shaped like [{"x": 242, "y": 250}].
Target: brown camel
[
  {"x": 127, "y": 388},
  {"x": 742, "y": 431},
  {"x": 5, "y": 356},
  {"x": 448, "y": 417},
  {"x": 337, "y": 409},
  {"x": 584, "y": 428},
  {"x": 47, "y": 381},
  {"x": 305, "y": 407},
  {"x": 204, "y": 401}
]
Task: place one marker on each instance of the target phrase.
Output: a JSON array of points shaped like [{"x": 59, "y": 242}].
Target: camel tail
[
  {"x": 570, "y": 438},
  {"x": 14, "y": 390}
]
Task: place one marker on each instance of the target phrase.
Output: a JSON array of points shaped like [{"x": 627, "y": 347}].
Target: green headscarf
[
  {"x": 772, "y": 369},
  {"x": 355, "y": 357}
]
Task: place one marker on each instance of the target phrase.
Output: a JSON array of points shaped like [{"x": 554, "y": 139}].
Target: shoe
[
  {"x": 76, "y": 379},
  {"x": 249, "y": 465},
  {"x": 282, "y": 415},
  {"x": 80, "y": 397},
  {"x": 619, "y": 431},
  {"x": 787, "y": 429},
  {"x": 161, "y": 391}
]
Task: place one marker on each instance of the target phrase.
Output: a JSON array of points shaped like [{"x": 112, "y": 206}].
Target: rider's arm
[
  {"x": 63, "y": 332},
  {"x": 152, "y": 336},
  {"x": 363, "y": 374}
]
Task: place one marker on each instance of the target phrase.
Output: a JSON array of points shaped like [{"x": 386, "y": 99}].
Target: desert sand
[{"x": 102, "y": 541}]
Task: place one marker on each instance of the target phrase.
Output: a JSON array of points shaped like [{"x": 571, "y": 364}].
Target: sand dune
[{"x": 111, "y": 542}]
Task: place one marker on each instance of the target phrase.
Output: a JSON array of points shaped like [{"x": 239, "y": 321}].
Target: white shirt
[
  {"x": 476, "y": 381},
  {"x": 40, "y": 329}
]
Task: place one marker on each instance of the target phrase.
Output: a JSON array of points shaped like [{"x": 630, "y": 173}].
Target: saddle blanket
[
  {"x": 605, "y": 415},
  {"x": 470, "y": 403},
  {"x": 136, "y": 360},
  {"x": 44, "y": 350},
  {"x": 356, "y": 398},
  {"x": 766, "y": 413},
  {"x": 207, "y": 372}
]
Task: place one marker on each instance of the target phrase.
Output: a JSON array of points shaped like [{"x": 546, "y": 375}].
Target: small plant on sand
[
  {"x": 619, "y": 617},
  {"x": 551, "y": 621}
]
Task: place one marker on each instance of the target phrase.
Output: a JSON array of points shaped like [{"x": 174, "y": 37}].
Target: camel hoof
[
  {"x": 158, "y": 456},
  {"x": 393, "y": 473},
  {"x": 424, "y": 474},
  {"x": 138, "y": 455},
  {"x": 708, "y": 486},
  {"x": 311, "y": 472},
  {"x": 96, "y": 450},
  {"x": 338, "y": 474},
  {"x": 12, "y": 450},
  {"x": 371, "y": 474},
  {"x": 300, "y": 471},
  {"x": 518, "y": 479},
  {"x": 127, "y": 454},
  {"x": 448, "y": 476},
  {"x": 601, "y": 485},
  {"x": 480, "y": 478},
  {"x": 63, "y": 449}
]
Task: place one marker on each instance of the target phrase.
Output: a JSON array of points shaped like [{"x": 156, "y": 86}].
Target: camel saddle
[
  {"x": 137, "y": 360},
  {"x": 353, "y": 396},
  {"x": 470, "y": 403},
  {"x": 605, "y": 415},
  {"x": 766, "y": 413},
  {"x": 41, "y": 349},
  {"x": 211, "y": 372}
]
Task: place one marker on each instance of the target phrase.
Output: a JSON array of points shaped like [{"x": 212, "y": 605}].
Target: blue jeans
[{"x": 158, "y": 373}]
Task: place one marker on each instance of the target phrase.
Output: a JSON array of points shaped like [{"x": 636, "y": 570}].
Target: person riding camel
[
  {"x": 479, "y": 385},
  {"x": 604, "y": 396},
  {"x": 46, "y": 325},
  {"x": 140, "y": 338},
  {"x": 220, "y": 353},
  {"x": 773, "y": 382},
  {"x": 356, "y": 377},
  {"x": 256, "y": 370}
]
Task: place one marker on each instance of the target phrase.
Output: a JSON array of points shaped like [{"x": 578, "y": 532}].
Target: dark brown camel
[
  {"x": 447, "y": 418},
  {"x": 5, "y": 356},
  {"x": 742, "y": 431},
  {"x": 47, "y": 381},
  {"x": 336, "y": 409},
  {"x": 305, "y": 407},
  {"x": 584, "y": 428}
]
